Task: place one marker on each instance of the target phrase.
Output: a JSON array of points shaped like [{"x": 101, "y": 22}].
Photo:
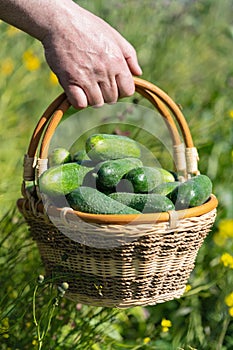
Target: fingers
[
  {"x": 108, "y": 91},
  {"x": 125, "y": 85},
  {"x": 76, "y": 96},
  {"x": 129, "y": 54},
  {"x": 82, "y": 97},
  {"x": 133, "y": 65},
  {"x": 93, "y": 62},
  {"x": 107, "y": 82},
  {"x": 93, "y": 79},
  {"x": 97, "y": 95},
  {"x": 131, "y": 59},
  {"x": 94, "y": 95}
]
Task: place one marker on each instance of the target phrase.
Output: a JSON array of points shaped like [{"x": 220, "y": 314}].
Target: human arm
[{"x": 93, "y": 62}]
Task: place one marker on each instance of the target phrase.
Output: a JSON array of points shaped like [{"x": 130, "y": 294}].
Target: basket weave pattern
[
  {"x": 111, "y": 260},
  {"x": 152, "y": 267}
]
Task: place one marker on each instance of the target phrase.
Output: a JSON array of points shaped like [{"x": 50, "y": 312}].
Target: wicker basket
[{"x": 117, "y": 260}]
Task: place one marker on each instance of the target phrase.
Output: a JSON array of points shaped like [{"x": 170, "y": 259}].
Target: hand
[{"x": 93, "y": 62}]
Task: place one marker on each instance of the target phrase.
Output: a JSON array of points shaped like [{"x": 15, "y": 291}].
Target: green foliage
[{"x": 184, "y": 48}]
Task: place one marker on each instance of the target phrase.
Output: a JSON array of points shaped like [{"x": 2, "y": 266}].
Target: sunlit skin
[{"x": 93, "y": 62}]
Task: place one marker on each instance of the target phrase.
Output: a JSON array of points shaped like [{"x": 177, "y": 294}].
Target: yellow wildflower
[
  {"x": 231, "y": 311},
  {"x": 165, "y": 329},
  {"x": 53, "y": 78},
  {"x": 166, "y": 324},
  {"x": 229, "y": 300},
  {"x": 31, "y": 61},
  {"x": 188, "y": 288},
  {"x": 227, "y": 260},
  {"x": 225, "y": 231},
  {"x": 146, "y": 340},
  {"x": 5, "y": 323},
  {"x": 231, "y": 113},
  {"x": 7, "y": 66},
  {"x": 4, "y": 327},
  {"x": 226, "y": 227},
  {"x": 13, "y": 294},
  {"x": 34, "y": 342}
]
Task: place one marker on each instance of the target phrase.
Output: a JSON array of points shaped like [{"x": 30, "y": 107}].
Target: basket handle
[{"x": 185, "y": 158}]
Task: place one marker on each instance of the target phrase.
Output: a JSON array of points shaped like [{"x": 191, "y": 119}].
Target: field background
[{"x": 184, "y": 47}]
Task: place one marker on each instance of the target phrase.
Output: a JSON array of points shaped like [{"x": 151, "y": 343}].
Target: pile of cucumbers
[{"x": 109, "y": 177}]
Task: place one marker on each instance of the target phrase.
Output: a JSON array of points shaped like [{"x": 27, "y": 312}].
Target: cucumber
[
  {"x": 90, "y": 200},
  {"x": 101, "y": 147},
  {"x": 167, "y": 176},
  {"x": 80, "y": 155},
  {"x": 165, "y": 188},
  {"x": 192, "y": 192},
  {"x": 146, "y": 203},
  {"x": 62, "y": 179},
  {"x": 89, "y": 179},
  {"x": 82, "y": 158},
  {"x": 144, "y": 179},
  {"x": 59, "y": 156},
  {"x": 174, "y": 174},
  {"x": 111, "y": 172}
]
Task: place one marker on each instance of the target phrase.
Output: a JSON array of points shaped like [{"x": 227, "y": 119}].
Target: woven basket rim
[
  {"x": 144, "y": 218},
  {"x": 121, "y": 219}
]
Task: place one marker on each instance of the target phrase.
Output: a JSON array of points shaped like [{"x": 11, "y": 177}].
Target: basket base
[
  {"x": 153, "y": 267},
  {"x": 122, "y": 291},
  {"x": 124, "y": 304}
]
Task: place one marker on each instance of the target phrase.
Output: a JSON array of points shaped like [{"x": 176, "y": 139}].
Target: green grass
[{"x": 184, "y": 47}]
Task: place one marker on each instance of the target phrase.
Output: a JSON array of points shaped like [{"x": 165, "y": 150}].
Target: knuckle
[{"x": 132, "y": 51}]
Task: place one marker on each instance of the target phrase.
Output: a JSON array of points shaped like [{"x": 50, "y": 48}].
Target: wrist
[{"x": 37, "y": 18}]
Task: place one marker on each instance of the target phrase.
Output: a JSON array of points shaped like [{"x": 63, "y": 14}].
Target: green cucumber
[
  {"x": 174, "y": 174},
  {"x": 192, "y": 192},
  {"x": 101, "y": 147},
  {"x": 59, "y": 156},
  {"x": 82, "y": 158},
  {"x": 89, "y": 179},
  {"x": 165, "y": 188},
  {"x": 167, "y": 176},
  {"x": 62, "y": 179},
  {"x": 146, "y": 203},
  {"x": 80, "y": 155},
  {"x": 144, "y": 179},
  {"x": 111, "y": 172},
  {"x": 90, "y": 200}
]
